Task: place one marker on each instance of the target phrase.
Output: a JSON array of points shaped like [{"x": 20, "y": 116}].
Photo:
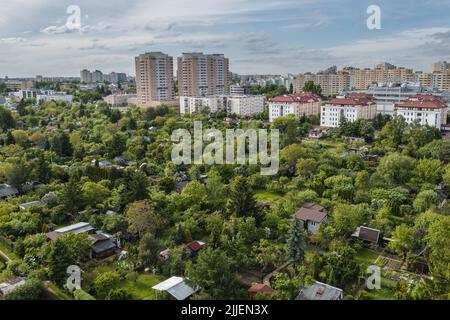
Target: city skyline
[{"x": 258, "y": 37}]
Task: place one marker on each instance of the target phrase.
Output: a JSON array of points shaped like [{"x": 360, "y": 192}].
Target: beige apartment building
[
  {"x": 353, "y": 78},
  {"x": 202, "y": 74},
  {"x": 331, "y": 84},
  {"x": 154, "y": 79}
]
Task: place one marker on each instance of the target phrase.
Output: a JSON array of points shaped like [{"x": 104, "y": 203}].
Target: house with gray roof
[
  {"x": 320, "y": 291},
  {"x": 7, "y": 190}
]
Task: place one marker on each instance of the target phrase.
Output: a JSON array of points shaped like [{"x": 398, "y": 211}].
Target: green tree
[
  {"x": 149, "y": 248},
  {"x": 396, "y": 168},
  {"x": 105, "y": 282},
  {"x": 310, "y": 86},
  {"x": 425, "y": 199},
  {"x": 142, "y": 219},
  {"x": 33, "y": 289},
  {"x": 71, "y": 197},
  {"x": 213, "y": 275},
  {"x": 58, "y": 260},
  {"x": 241, "y": 201},
  {"x": 295, "y": 244},
  {"x": 403, "y": 240}
]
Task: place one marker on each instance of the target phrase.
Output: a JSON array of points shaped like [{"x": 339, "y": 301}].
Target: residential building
[
  {"x": 203, "y": 74},
  {"x": 425, "y": 79},
  {"x": 388, "y": 94},
  {"x": 350, "y": 108},
  {"x": 120, "y": 100},
  {"x": 102, "y": 245},
  {"x": 197, "y": 104},
  {"x": 320, "y": 291},
  {"x": 55, "y": 97},
  {"x": 426, "y": 109},
  {"x": 154, "y": 79},
  {"x": 441, "y": 67},
  {"x": 238, "y": 90},
  {"x": 85, "y": 76},
  {"x": 15, "y": 85},
  {"x": 312, "y": 215},
  {"x": 298, "y": 104},
  {"x": 25, "y": 93},
  {"x": 245, "y": 106},
  {"x": 77, "y": 228},
  {"x": 98, "y": 76},
  {"x": 331, "y": 84},
  {"x": 441, "y": 81}
]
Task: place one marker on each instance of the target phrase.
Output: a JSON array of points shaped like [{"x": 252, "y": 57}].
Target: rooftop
[
  {"x": 76, "y": 228},
  {"x": 176, "y": 286},
  {"x": 320, "y": 291},
  {"x": 311, "y": 214},
  {"x": 303, "y": 97}
]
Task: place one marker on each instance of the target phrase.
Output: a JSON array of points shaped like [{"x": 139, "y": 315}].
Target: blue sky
[{"x": 258, "y": 36}]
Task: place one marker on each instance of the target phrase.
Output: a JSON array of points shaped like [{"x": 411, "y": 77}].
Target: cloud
[
  {"x": 13, "y": 40},
  {"x": 101, "y": 26}
]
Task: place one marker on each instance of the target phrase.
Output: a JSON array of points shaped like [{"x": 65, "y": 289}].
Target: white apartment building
[
  {"x": 55, "y": 97},
  {"x": 120, "y": 100},
  {"x": 351, "y": 108},
  {"x": 427, "y": 109},
  {"x": 197, "y": 104},
  {"x": 245, "y": 106},
  {"x": 24, "y": 94},
  {"x": 237, "y": 90},
  {"x": 299, "y": 105}
]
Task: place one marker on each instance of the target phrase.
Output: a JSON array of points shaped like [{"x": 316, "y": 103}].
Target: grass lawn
[
  {"x": 7, "y": 252},
  {"x": 366, "y": 256},
  {"x": 56, "y": 291},
  {"x": 386, "y": 292},
  {"x": 264, "y": 196},
  {"x": 141, "y": 288}
]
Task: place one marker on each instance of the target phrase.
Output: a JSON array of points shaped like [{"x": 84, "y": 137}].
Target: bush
[
  {"x": 80, "y": 294},
  {"x": 32, "y": 290}
]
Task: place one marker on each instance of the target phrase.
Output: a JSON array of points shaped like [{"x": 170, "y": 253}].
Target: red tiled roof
[
  {"x": 351, "y": 101},
  {"x": 260, "y": 287},
  {"x": 195, "y": 245},
  {"x": 306, "y": 214},
  {"x": 420, "y": 104},
  {"x": 303, "y": 97}
]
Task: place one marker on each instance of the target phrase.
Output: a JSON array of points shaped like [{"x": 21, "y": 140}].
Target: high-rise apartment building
[
  {"x": 202, "y": 74},
  {"x": 154, "y": 79},
  {"x": 441, "y": 66}
]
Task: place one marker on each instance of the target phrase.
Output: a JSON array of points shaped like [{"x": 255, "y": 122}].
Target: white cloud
[{"x": 12, "y": 40}]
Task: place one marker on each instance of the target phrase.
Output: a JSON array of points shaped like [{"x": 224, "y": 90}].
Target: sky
[{"x": 258, "y": 36}]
